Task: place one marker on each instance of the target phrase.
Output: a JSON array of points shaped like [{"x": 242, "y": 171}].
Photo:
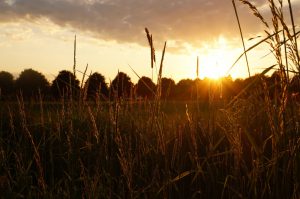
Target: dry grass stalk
[
  {"x": 266, "y": 39},
  {"x": 294, "y": 31},
  {"x": 192, "y": 135},
  {"x": 152, "y": 50},
  {"x": 255, "y": 11},
  {"x": 197, "y": 69},
  {"x": 270, "y": 113},
  {"x": 275, "y": 44},
  {"x": 126, "y": 159},
  {"x": 83, "y": 77},
  {"x": 95, "y": 129},
  {"x": 83, "y": 90},
  {"x": 242, "y": 37},
  {"x": 148, "y": 87},
  {"x": 276, "y": 13},
  {"x": 74, "y": 65},
  {"x": 233, "y": 132},
  {"x": 197, "y": 84},
  {"x": 41, "y": 180},
  {"x": 160, "y": 73}
]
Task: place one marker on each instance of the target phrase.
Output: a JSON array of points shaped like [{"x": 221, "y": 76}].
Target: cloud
[
  {"x": 182, "y": 21},
  {"x": 15, "y": 32}
]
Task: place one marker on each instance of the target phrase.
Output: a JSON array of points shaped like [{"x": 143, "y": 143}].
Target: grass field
[{"x": 126, "y": 150}]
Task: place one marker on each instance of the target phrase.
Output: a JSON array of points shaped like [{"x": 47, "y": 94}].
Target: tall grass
[{"x": 119, "y": 149}]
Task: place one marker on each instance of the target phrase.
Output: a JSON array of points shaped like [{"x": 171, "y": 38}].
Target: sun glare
[{"x": 214, "y": 59}]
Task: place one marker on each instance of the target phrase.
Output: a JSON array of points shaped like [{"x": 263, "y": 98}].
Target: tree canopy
[
  {"x": 31, "y": 82},
  {"x": 6, "y": 84},
  {"x": 121, "y": 86},
  {"x": 96, "y": 87},
  {"x": 184, "y": 89},
  {"x": 167, "y": 88},
  {"x": 65, "y": 85},
  {"x": 145, "y": 88}
]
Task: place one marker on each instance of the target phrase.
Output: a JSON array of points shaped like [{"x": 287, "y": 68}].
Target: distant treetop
[{"x": 31, "y": 82}]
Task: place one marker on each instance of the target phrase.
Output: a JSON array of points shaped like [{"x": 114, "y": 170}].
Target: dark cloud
[{"x": 191, "y": 21}]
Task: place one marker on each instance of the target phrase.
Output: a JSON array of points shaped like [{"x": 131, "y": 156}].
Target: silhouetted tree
[
  {"x": 295, "y": 84},
  {"x": 167, "y": 88},
  {"x": 96, "y": 87},
  {"x": 238, "y": 85},
  {"x": 184, "y": 89},
  {"x": 203, "y": 89},
  {"x": 228, "y": 90},
  {"x": 64, "y": 85},
  {"x": 121, "y": 86},
  {"x": 30, "y": 83},
  {"x": 208, "y": 89},
  {"x": 145, "y": 88},
  {"x": 6, "y": 84}
]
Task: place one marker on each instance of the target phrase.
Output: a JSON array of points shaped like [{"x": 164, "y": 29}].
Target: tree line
[{"x": 32, "y": 84}]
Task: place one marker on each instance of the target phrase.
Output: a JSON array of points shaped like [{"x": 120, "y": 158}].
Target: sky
[{"x": 39, "y": 34}]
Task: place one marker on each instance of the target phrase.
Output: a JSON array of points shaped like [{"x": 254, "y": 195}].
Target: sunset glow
[
  {"x": 109, "y": 38},
  {"x": 216, "y": 61}
]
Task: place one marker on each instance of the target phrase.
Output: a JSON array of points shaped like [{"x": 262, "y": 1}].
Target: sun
[
  {"x": 212, "y": 67},
  {"x": 214, "y": 59}
]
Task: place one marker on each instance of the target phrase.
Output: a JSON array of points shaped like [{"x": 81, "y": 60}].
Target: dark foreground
[{"x": 146, "y": 150}]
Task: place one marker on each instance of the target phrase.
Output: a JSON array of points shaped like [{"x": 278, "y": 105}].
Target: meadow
[{"x": 244, "y": 147}]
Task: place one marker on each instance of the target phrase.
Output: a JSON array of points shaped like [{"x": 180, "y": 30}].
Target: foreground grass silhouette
[{"x": 123, "y": 149}]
